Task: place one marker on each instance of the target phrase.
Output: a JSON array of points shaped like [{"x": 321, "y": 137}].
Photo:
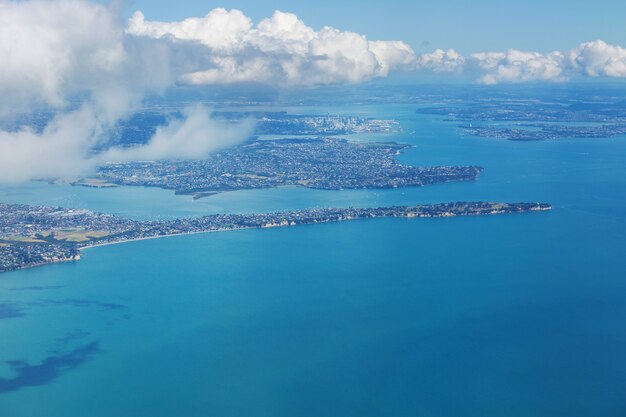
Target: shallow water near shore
[{"x": 516, "y": 315}]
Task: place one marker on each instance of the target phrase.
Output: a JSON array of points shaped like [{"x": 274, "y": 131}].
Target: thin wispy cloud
[{"x": 194, "y": 136}]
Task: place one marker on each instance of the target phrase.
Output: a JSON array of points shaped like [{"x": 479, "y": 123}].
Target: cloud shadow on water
[{"x": 51, "y": 368}]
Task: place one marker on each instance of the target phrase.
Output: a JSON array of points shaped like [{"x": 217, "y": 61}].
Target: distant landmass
[{"x": 545, "y": 118}]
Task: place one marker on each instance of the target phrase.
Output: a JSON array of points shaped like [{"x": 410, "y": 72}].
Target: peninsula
[
  {"x": 320, "y": 163},
  {"x": 32, "y": 236}
]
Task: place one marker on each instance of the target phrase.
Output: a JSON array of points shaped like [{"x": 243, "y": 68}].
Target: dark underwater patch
[
  {"x": 38, "y": 288},
  {"x": 74, "y": 302},
  {"x": 8, "y": 311},
  {"x": 51, "y": 368}
]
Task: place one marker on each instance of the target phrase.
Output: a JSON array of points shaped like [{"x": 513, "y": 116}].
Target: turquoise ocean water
[{"x": 516, "y": 315}]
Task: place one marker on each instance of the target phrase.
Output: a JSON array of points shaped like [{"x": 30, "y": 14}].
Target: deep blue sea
[{"x": 498, "y": 316}]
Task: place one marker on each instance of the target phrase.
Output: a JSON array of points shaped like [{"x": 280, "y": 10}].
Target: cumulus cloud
[
  {"x": 597, "y": 59},
  {"x": 589, "y": 59},
  {"x": 441, "y": 61},
  {"x": 279, "y": 50},
  {"x": 518, "y": 66},
  {"x": 49, "y": 50}
]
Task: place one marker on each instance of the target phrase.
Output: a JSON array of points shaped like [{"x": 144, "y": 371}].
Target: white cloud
[
  {"x": 516, "y": 66},
  {"x": 280, "y": 50},
  {"x": 220, "y": 30},
  {"x": 590, "y": 59},
  {"x": 441, "y": 61},
  {"x": 62, "y": 150},
  {"x": 54, "y": 51},
  {"x": 50, "y": 49},
  {"x": 597, "y": 59}
]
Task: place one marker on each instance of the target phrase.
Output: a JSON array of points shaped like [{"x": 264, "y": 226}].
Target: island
[
  {"x": 545, "y": 131},
  {"x": 320, "y": 163},
  {"x": 526, "y": 119},
  {"x": 37, "y": 235}
]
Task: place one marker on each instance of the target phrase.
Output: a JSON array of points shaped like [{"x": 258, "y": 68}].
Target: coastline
[
  {"x": 81, "y": 248},
  {"x": 38, "y": 264},
  {"x": 409, "y": 217},
  {"x": 264, "y": 221}
]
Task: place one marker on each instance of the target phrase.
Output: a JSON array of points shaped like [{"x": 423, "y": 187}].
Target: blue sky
[{"x": 466, "y": 26}]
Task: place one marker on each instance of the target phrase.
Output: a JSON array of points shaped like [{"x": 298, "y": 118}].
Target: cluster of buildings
[
  {"x": 33, "y": 236},
  {"x": 21, "y": 255},
  {"x": 38, "y": 221},
  {"x": 285, "y": 124},
  {"x": 322, "y": 163}
]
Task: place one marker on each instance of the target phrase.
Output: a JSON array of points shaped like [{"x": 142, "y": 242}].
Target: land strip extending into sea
[{"x": 34, "y": 236}]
